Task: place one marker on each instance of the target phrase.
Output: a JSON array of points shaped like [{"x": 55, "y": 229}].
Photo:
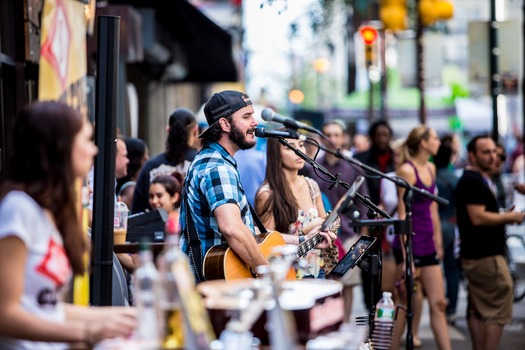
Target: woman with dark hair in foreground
[{"x": 41, "y": 240}]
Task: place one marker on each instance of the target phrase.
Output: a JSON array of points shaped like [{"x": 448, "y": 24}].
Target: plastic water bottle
[
  {"x": 146, "y": 295},
  {"x": 186, "y": 323},
  {"x": 383, "y": 322},
  {"x": 385, "y": 308},
  {"x": 171, "y": 308}
]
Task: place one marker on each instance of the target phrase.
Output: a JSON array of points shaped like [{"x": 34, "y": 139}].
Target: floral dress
[
  {"x": 314, "y": 256},
  {"x": 305, "y": 217}
]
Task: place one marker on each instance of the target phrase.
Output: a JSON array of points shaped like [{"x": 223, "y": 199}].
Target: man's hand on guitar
[{"x": 329, "y": 237}]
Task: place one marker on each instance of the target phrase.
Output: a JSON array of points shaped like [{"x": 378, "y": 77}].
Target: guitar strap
[
  {"x": 257, "y": 220},
  {"x": 194, "y": 243}
]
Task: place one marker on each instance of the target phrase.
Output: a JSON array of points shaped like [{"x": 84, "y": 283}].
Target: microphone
[
  {"x": 269, "y": 115},
  {"x": 292, "y": 134}
]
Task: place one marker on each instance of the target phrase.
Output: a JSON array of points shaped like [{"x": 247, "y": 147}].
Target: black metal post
[
  {"x": 384, "y": 75},
  {"x": 494, "y": 68},
  {"x": 522, "y": 78},
  {"x": 420, "y": 68},
  {"x": 409, "y": 277},
  {"x": 370, "y": 96},
  {"x": 104, "y": 177}
]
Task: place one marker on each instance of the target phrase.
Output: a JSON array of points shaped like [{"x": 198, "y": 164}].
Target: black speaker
[{"x": 150, "y": 224}]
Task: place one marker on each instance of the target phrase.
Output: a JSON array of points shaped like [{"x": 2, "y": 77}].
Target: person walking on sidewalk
[
  {"x": 421, "y": 143},
  {"x": 446, "y": 182},
  {"x": 482, "y": 234}
]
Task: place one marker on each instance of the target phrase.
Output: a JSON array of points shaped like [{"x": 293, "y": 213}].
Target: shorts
[
  {"x": 419, "y": 260},
  {"x": 353, "y": 276},
  {"x": 490, "y": 290}
]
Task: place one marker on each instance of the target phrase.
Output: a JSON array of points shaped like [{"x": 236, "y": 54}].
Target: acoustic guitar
[{"x": 221, "y": 262}]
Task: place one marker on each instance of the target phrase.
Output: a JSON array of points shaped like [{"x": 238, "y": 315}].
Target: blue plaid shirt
[{"x": 212, "y": 180}]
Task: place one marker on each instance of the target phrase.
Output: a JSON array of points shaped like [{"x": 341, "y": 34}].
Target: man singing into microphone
[
  {"x": 214, "y": 203},
  {"x": 215, "y": 209}
]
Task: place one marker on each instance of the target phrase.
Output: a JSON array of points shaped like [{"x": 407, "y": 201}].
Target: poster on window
[{"x": 63, "y": 61}]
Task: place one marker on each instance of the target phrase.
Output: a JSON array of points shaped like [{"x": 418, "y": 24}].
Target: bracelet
[{"x": 301, "y": 239}]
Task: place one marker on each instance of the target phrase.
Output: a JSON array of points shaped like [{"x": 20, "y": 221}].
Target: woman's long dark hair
[
  {"x": 181, "y": 121},
  {"x": 42, "y": 166},
  {"x": 281, "y": 203}
]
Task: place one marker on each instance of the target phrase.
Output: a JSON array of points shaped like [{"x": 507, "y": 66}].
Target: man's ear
[
  {"x": 196, "y": 130},
  {"x": 225, "y": 125},
  {"x": 471, "y": 157}
]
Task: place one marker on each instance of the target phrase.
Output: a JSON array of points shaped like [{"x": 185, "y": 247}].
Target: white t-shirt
[
  {"x": 47, "y": 269},
  {"x": 389, "y": 200}
]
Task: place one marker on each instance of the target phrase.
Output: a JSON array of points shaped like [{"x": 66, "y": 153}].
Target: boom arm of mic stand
[
  {"x": 397, "y": 181},
  {"x": 313, "y": 130},
  {"x": 366, "y": 202}
]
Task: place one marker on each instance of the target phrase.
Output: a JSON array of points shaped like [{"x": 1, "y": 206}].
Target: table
[{"x": 132, "y": 248}]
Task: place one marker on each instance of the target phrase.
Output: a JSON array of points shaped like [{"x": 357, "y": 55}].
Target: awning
[{"x": 207, "y": 48}]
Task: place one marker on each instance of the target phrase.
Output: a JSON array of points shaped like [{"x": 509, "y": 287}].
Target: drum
[{"x": 317, "y": 305}]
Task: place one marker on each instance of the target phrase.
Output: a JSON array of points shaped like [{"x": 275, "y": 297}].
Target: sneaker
[{"x": 451, "y": 319}]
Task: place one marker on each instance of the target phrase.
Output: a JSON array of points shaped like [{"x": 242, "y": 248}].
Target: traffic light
[
  {"x": 431, "y": 11},
  {"x": 393, "y": 14},
  {"x": 369, "y": 36}
]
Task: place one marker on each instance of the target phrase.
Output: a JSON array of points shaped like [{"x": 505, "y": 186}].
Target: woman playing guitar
[{"x": 287, "y": 202}]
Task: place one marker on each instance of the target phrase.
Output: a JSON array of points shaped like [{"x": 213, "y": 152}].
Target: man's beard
[
  {"x": 486, "y": 168},
  {"x": 238, "y": 138}
]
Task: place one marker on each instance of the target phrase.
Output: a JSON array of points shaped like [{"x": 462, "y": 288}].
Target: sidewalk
[{"x": 513, "y": 335}]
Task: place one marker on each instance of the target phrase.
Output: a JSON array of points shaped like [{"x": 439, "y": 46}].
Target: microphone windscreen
[
  {"x": 267, "y": 114},
  {"x": 259, "y": 131}
]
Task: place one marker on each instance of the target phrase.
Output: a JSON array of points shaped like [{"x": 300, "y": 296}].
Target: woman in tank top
[
  {"x": 288, "y": 202},
  {"x": 421, "y": 144}
]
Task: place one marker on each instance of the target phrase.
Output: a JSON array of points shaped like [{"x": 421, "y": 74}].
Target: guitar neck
[{"x": 308, "y": 245}]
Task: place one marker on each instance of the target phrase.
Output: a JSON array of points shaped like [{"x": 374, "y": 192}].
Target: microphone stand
[
  {"x": 374, "y": 261},
  {"x": 400, "y": 182},
  {"x": 401, "y": 227}
]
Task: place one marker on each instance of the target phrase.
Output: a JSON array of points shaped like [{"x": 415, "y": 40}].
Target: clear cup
[{"x": 120, "y": 223}]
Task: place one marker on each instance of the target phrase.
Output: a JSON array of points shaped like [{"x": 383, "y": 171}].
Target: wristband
[{"x": 301, "y": 239}]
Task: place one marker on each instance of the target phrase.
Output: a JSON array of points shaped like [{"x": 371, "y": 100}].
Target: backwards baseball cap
[{"x": 223, "y": 104}]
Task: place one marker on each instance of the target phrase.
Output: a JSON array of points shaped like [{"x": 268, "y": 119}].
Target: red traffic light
[{"x": 369, "y": 34}]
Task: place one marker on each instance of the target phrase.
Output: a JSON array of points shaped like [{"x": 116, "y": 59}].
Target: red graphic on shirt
[{"x": 55, "y": 264}]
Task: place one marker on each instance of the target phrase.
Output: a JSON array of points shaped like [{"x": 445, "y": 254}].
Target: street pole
[
  {"x": 370, "y": 97},
  {"x": 370, "y": 36},
  {"x": 420, "y": 67},
  {"x": 494, "y": 69},
  {"x": 522, "y": 77},
  {"x": 104, "y": 173},
  {"x": 384, "y": 80}
]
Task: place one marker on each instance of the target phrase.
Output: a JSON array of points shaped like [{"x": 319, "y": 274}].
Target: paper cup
[{"x": 119, "y": 235}]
